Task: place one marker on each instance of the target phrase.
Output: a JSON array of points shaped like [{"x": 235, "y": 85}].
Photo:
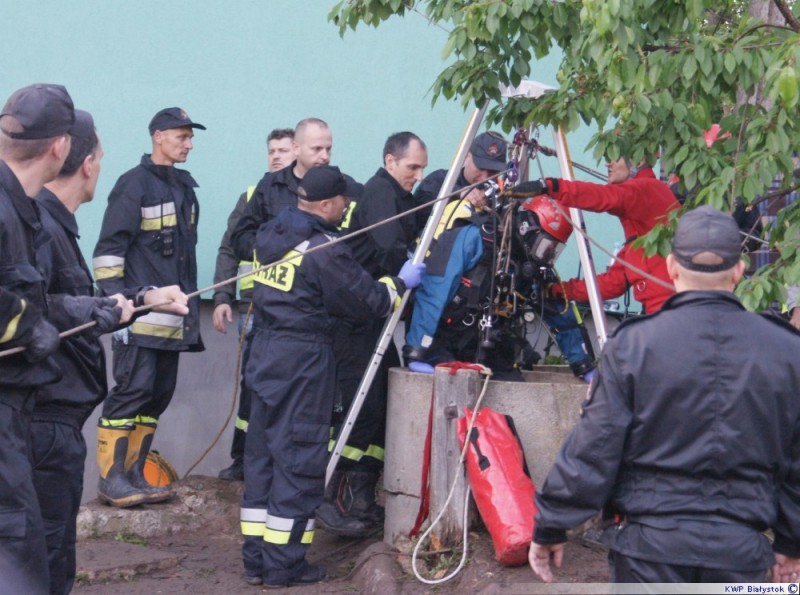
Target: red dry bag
[{"x": 500, "y": 482}]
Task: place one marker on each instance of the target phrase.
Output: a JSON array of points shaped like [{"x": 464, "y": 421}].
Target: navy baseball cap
[
  {"x": 172, "y": 117},
  {"x": 43, "y": 111},
  {"x": 489, "y": 152},
  {"x": 706, "y": 229},
  {"x": 327, "y": 181}
]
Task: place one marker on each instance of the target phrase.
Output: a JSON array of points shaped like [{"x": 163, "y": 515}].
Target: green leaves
[{"x": 648, "y": 76}]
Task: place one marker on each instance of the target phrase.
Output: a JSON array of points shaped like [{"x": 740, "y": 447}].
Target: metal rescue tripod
[{"x": 527, "y": 89}]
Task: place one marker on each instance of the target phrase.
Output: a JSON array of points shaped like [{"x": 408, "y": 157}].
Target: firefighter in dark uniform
[
  {"x": 312, "y": 145},
  {"x": 293, "y": 372},
  {"x": 148, "y": 238},
  {"x": 279, "y": 155},
  {"x": 34, "y": 142},
  {"x": 350, "y": 509},
  {"x": 58, "y": 448},
  {"x": 689, "y": 437}
]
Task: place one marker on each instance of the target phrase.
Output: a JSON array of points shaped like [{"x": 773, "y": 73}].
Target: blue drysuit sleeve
[{"x": 436, "y": 291}]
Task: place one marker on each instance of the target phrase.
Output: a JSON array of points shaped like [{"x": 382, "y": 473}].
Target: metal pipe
[{"x": 584, "y": 250}]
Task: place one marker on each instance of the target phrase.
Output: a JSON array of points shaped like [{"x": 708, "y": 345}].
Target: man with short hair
[
  {"x": 293, "y": 372},
  {"x": 279, "y": 155},
  {"x": 312, "y": 147},
  {"x": 659, "y": 445},
  {"x": 34, "y": 142},
  {"x": 58, "y": 448},
  {"x": 350, "y": 508},
  {"x": 148, "y": 238},
  {"x": 486, "y": 157}
]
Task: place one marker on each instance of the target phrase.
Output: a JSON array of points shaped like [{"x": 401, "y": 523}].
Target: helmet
[{"x": 543, "y": 229}]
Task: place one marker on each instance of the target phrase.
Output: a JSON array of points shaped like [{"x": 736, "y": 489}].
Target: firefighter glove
[
  {"x": 411, "y": 274},
  {"x": 42, "y": 341},
  {"x": 527, "y": 189},
  {"x": 104, "y": 311}
]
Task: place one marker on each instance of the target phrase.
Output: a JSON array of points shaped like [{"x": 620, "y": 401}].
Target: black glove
[
  {"x": 104, "y": 311},
  {"x": 527, "y": 189},
  {"x": 42, "y": 341}
]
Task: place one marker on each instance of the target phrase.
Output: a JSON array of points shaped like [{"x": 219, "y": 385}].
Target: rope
[
  {"x": 343, "y": 238},
  {"x": 236, "y": 387},
  {"x": 461, "y": 457}
]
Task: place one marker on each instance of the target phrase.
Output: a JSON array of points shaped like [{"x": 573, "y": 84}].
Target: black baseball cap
[
  {"x": 327, "y": 181},
  {"x": 489, "y": 152},
  {"x": 172, "y": 117},
  {"x": 83, "y": 127},
  {"x": 43, "y": 111},
  {"x": 706, "y": 229}
]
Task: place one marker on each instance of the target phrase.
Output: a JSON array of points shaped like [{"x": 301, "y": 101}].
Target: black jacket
[
  {"x": 81, "y": 357},
  {"x": 304, "y": 296},
  {"x": 23, "y": 283},
  {"x": 692, "y": 433},
  {"x": 228, "y": 265},
  {"x": 148, "y": 237},
  {"x": 274, "y": 192},
  {"x": 383, "y": 250}
]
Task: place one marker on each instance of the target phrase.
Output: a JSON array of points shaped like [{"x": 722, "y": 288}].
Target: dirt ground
[{"x": 208, "y": 561}]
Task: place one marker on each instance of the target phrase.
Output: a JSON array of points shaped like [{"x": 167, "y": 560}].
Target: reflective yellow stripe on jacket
[
  {"x": 245, "y": 266},
  {"x": 11, "y": 327},
  {"x": 281, "y": 276},
  {"x": 157, "y": 324}
]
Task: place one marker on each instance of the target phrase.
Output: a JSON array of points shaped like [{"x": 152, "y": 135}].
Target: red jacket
[{"x": 639, "y": 203}]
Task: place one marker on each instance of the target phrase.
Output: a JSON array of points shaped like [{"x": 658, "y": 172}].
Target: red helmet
[{"x": 543, "y": 228}]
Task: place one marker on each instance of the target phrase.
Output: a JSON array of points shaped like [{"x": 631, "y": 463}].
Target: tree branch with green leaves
[{"x": 650, "y": 77}]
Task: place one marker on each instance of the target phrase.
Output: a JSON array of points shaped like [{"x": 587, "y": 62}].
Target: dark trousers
[
  {"x": 58, "y": 457},
  {"x": 145, "y": 382},
  {"x": 354, "y": 344},
  {"x": 23, "y": 553},
  {"x": 293, "y": 384},
  {"x": 245, "y": 396},
  {"x": 625, "y": 569}
]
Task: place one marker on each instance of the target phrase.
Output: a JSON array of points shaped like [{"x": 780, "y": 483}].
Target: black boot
[
  {"x": 235, "y": 472},
  {"x": 332, "y": 516},
  {"x": 359, "y": 498}
]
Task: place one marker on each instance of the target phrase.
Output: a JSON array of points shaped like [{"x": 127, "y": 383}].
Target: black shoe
[
  {"x": 334, "y": 521},
  {"x": 233, "y": 473},
  {"x": 310, "y": 575},
  {"x": 254, "y": 580}
]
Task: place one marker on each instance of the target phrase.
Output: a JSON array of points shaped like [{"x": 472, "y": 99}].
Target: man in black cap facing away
[
  {"x": 148, "y": 238},
  {"x": 34, "y": 142},
  {"x": 292, "y": 371},
  {"x": 689, "y": 438},
  {"x": 58, "y": 449}
]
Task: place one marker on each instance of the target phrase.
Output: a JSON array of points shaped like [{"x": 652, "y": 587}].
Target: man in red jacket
[{"x": 640, "y": 201}]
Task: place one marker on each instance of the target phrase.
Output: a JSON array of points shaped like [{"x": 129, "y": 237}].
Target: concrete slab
[{"x": 117, "y": 561}]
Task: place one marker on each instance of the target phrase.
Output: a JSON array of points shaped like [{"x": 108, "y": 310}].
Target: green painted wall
[{"x": 242, "y": 68}]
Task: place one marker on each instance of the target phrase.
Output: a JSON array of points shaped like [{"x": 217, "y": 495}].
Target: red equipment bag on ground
[{"x": 500, "y": 482}]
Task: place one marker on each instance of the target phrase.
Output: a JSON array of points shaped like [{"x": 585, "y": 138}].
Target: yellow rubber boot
[
  {"x": 114, "y": 488},
  {"x": 139, "y": 443}
]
